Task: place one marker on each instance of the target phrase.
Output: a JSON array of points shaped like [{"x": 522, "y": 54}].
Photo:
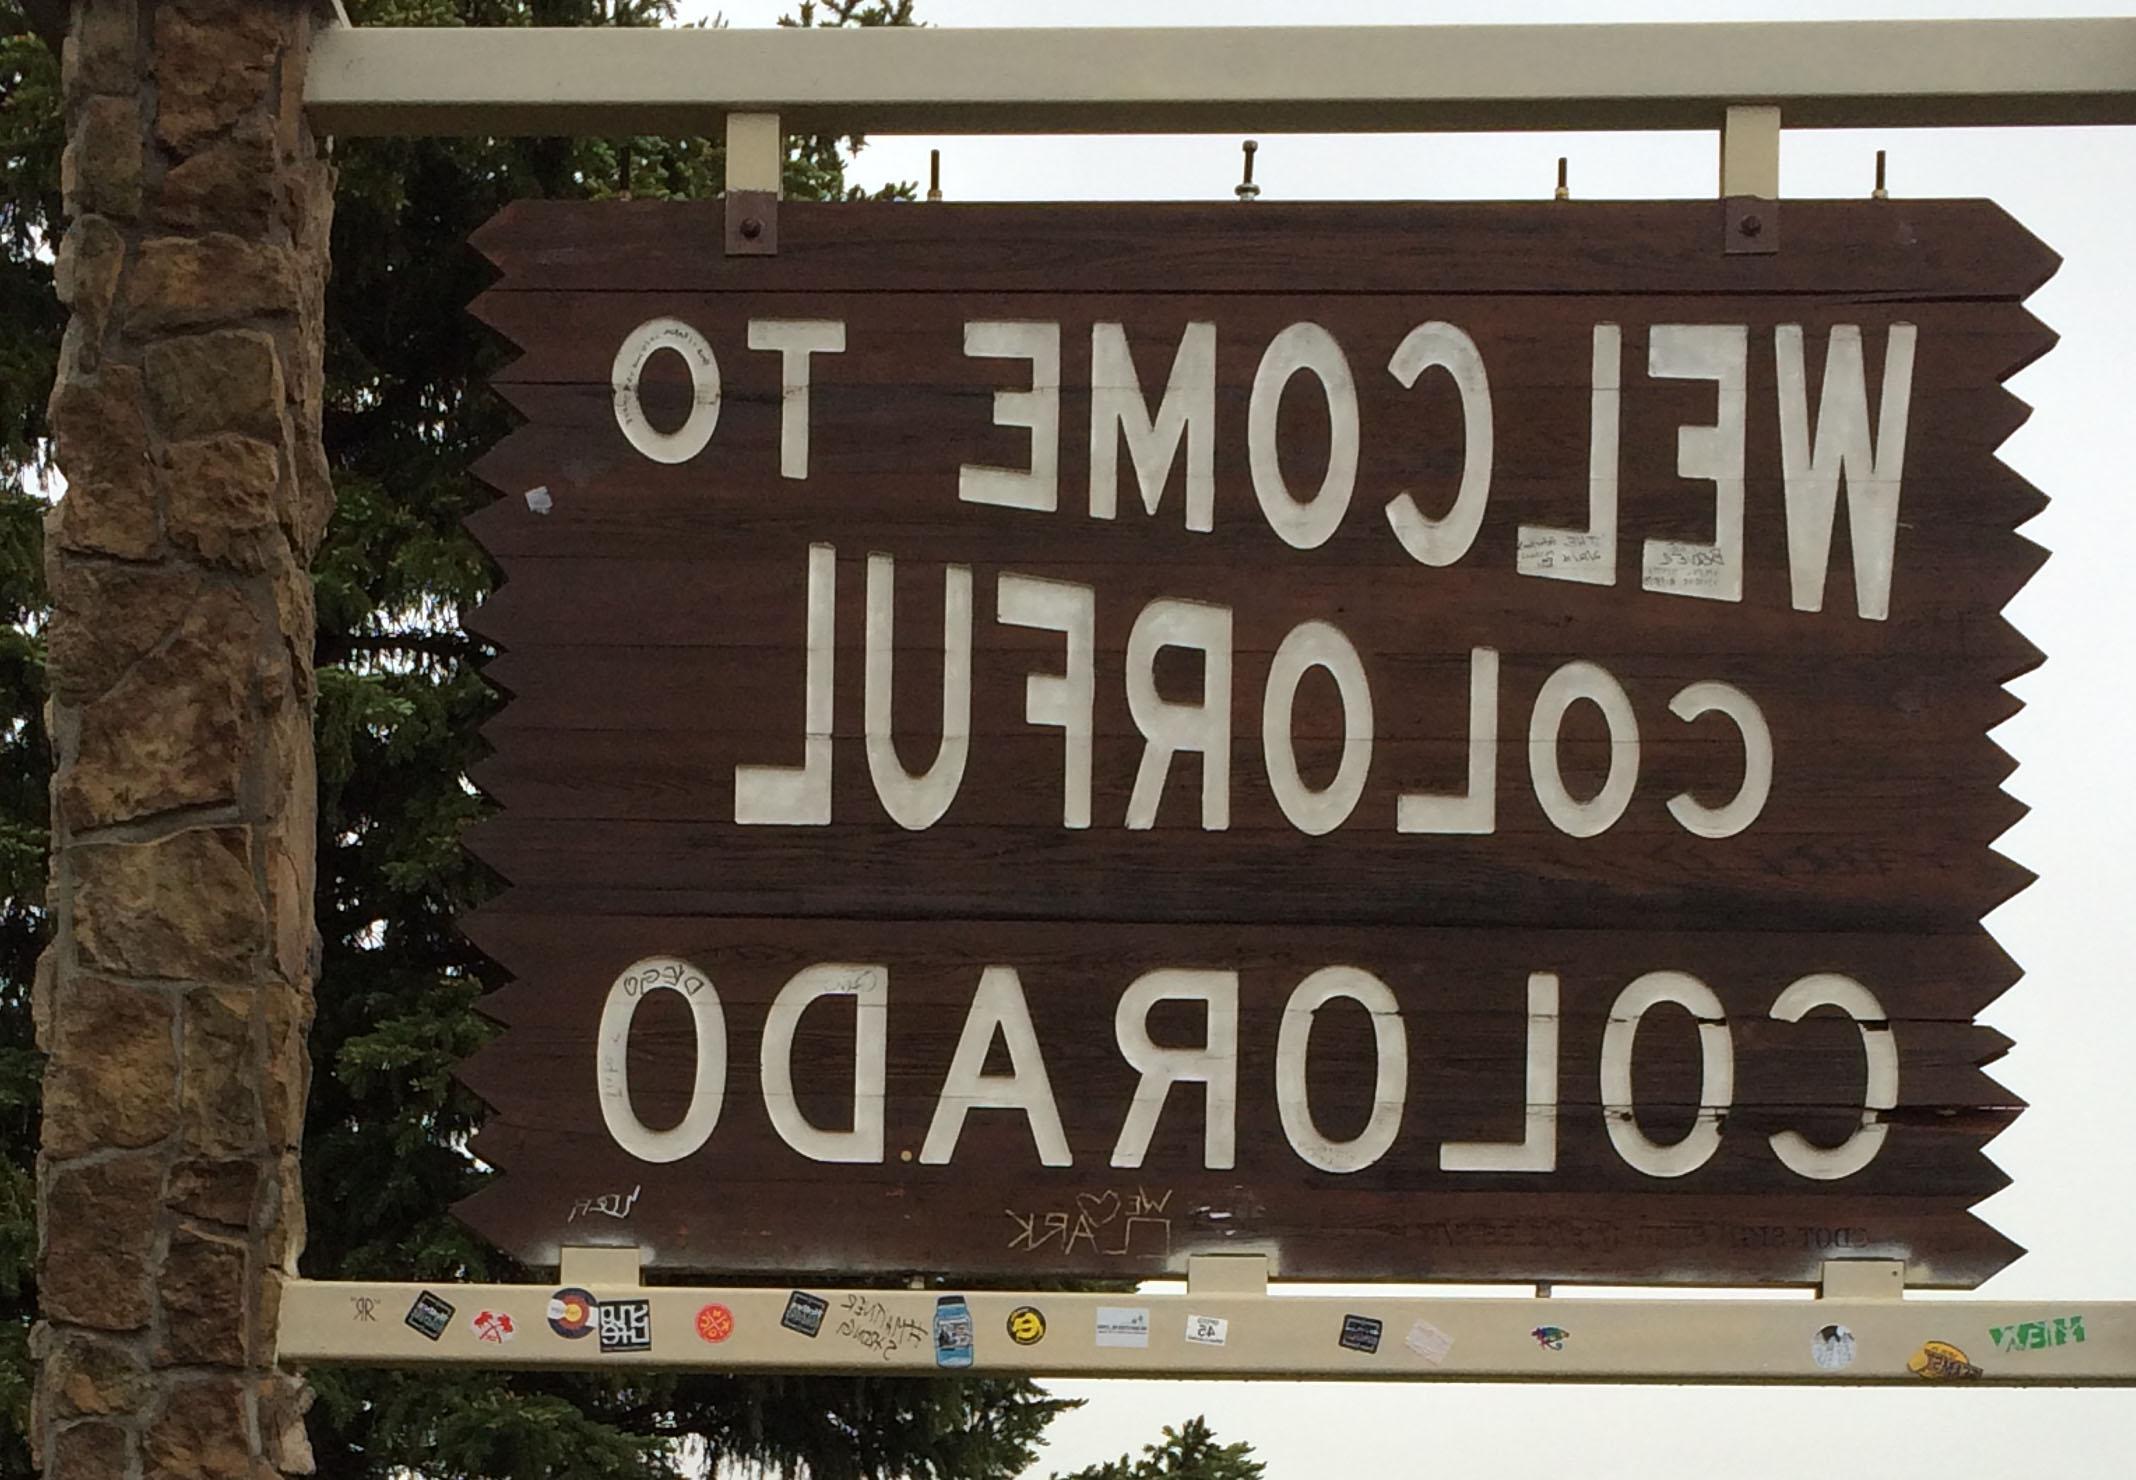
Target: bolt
[
  {"x": 1748, "y": 226},
  {"x": 752, "y": 228}
]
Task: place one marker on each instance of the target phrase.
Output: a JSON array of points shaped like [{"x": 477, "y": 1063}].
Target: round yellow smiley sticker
[{"x": 1027, "y": 1325}]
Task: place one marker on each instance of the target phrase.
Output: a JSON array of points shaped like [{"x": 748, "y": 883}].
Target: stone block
[
  {"x": 201, "y": 1434},
  {"x": 107, "y": 46},
  {"x": 230, "y": 185},
  {"x": 224, "y": 1191},
  {"x": 285, "y": 1076},
  {"x": 112, "y": 1079},
  {"x": 220, "y": 1096},
  {"x": 182, "y": 282},
  {"x": 100, "y": 435},
  {"x": 85, "y": 272},
  {"x": 210, "y": 75},
  {"x": 92, "y": 1376},
  {"x": 105, "y": 617},
  {"x": 307, "y": 499},
  {"x": 175, "y": 730},
  {"x": 183, "y": 907},
  {"x": 229, "y": 380},
  {"x": 220, "y": 499},
  {"x": 204, "y": 1290},
  {"x": 90, "y": 1451},
  {"x": 100, "y": 171},
  {"x": 100, "y": 1226},
  {"x": 282, "y": 1402}
]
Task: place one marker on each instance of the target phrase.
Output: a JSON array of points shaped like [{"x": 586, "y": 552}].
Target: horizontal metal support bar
[
  {"x": 1217, "y": 1333},
  {"x": 1244, "y": 79}
]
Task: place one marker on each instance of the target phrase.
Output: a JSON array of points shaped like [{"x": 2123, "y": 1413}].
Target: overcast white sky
[{"x": 2074, "y": 1199}]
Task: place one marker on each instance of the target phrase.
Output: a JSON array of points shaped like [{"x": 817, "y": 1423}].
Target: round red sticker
[{"x": 715, "y": 1323}]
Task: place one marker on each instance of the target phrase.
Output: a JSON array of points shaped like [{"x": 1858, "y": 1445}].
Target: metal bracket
[
  {"x": 1863, "y": 1279},
  {"x": 599, "y": 1267},
  {"x": 756, "y": 162},
  {"x": 1750, "y": 227}
]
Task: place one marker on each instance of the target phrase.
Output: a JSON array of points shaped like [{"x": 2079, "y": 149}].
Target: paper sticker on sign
[
  {"x": 1123, "y": 1325},
  {"x": 430, "y": 1315},
  {"x": 1428, "y": 1342},
  {"x": 804, "y": 1313},
  {"x": 1832, "y": 1349},
  {"x": 1939, "y": 1361},
  {"x": 492, "y": 1326},
  {"x": 1361, "y": 1334},
  {"x": 571, "y": 1313},
  {"x": 1207, "y": 1330},
  {"x": 626, "y": 1325}
]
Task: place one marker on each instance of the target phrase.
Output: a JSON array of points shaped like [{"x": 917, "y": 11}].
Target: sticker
[
  {"x": 1428, "y": 1342},
  {"x": 1551, "y": 1337},
  {"x": 626, "y": 1325},
  {"x": 714, "y": 1322},
  {"x": 1832, "y": 1349},
  {"x": 1939, "y": 1361},
  {"x": 1208, "y": 1330},
  {"x": 1027, "y": 1325},
  {"x": 952, "y": 1332},
  {"x": 1360, "y": 1334},
  {"x": 571, "y": 1313},
  {"x": 1123, "y": 1325},
  {"x": 492, "y": 1325},
  {"x": 430, "y": 1315},
  {"x": 539, "y": 501},
  {"x": 804, "y": 1313},
  {"x": 2032, "y": 1336}
]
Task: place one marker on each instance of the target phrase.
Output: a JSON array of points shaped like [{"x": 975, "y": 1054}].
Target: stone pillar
[{"x": 176, "y": 995}]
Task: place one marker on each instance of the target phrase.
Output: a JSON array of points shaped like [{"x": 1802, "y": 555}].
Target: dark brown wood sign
[{"x": 1428, "y": 741}]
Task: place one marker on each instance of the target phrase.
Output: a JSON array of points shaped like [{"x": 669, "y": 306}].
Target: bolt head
[
  {"x": 1751, "y": 226},
  {"x": 752, "y": 228}
]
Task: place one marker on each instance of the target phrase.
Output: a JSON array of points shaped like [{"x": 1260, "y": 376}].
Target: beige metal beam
[
  {"x": 1245, "y": 79},
  {"x": 1220, "y": 1328}
]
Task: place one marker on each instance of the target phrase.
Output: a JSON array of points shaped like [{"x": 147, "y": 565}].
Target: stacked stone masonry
[{"x": 177, "y": 993}]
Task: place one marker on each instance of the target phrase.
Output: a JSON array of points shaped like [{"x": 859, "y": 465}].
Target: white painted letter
[
  {"x": 1168, "y": 728},
  {"x": 1879, "y": 1046},
  {"x": 1725, "y": 822},
  {"x": 1872, "y": 472},
  {"x": 1563, "y": 689},
  {"x": 639, "y": 346},
  {"x": 1307, "y": 524},
  {"x": 1536, "y": 1150},
  {"x": 869, "y": 986},
  {"x": 1588, "y": 555},
  {"x": 1390, "y": 1084},
  {"x": 796, "y": 340},
  {"x": 1474, "y": 810},
  {"x": 801, "y": 795},
  {"x": 1717, "y": 352},
  {"x": 1117, "y": 409},
  {"x": 1065, "y": 699},
  {"x": 708, "y": 1091},
  {"x": 997, "y": 1007},
  {"x": 1038, "y": 408},
  {"x": 1716, "y": 1077},
  {"x": 919, "y": 801},
  {"x": 1215, "y": 1064},
  {"x": 1443, "y": 541},
  {"x": 1316, "y": 645}
]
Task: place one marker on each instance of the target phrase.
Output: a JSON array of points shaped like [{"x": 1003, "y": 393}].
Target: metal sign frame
[{"x": 1743, "y": 80}]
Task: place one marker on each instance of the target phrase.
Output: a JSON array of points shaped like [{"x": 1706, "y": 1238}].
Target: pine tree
[{"x": 1189, "y": 1452}]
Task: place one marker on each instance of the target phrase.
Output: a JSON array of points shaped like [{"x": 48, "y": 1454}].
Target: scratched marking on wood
[{"x": 1426, "y": 741}]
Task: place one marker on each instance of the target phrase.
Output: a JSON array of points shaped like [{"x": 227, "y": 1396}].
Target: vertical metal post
[
  {"x": 1750, "y": 152},
  {"x": 756, "y": 166}
]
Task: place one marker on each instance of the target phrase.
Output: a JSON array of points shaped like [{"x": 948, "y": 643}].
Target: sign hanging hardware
[
  {"x": 756, "y": 155},
  {"x": 1751, "y": 227},
  {"x": 1246, "y": 189},
  {"x": 1564, "y": 186},
  {"x": 1880, "y": 193},
  {"x": 934, "y": 174}
]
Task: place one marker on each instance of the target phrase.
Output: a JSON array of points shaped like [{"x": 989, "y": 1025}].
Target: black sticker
[
  {"x": 1361, "y": 1333},
  {"x": 626, "y": 1325},
  {"x": 804, "y": 1313},
  {"x": 430, "y": 1315}
]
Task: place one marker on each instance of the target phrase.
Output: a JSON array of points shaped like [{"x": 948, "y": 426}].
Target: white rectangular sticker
[
  {"x": 1207, "y": 1330},
  {"x": 1123, "y": 1325},
  {"x": 1429, "y": 1342}
]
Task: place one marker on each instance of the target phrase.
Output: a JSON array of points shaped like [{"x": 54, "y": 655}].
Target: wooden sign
[{"x": 1426, "y": 741}]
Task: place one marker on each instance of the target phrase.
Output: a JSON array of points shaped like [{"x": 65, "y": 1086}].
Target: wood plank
[{"x": 1903, "y": 249}]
